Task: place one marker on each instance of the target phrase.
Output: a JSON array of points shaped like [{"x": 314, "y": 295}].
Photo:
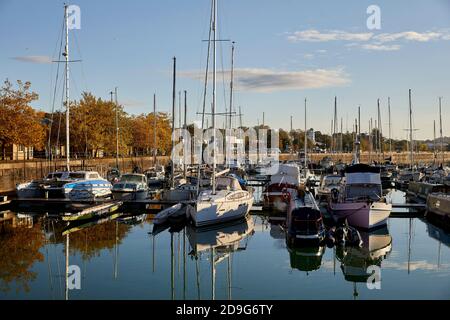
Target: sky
[{"x": 285, "y": 51}]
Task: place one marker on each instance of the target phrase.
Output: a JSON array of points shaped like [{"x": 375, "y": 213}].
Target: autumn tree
[
  {"x": 19, "y": 123},
  {"x": 93, "y": 126},
  {"x": 143, "y": 133}
]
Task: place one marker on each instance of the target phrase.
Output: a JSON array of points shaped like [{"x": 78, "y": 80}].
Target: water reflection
[
  {"x": 306, "y": 258},
  {"x": 21, "y": 239},
  {"x": 218, "y": 245},
  {"x": 355, "y": 261},
  {"x": 236, "y": 261}
]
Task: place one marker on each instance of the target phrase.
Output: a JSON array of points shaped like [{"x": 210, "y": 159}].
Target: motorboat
[
  {"x": 287, "y": 178},
  {"x": 419, "y": 191},
  {"x": 132, "y": 186},
  {"x": 360, "y": 200},
  {"x": 329, "y": 183},
  {"x": 304, "y": 221},
  {"x": 73, "y": 185},
  {"x": 439, "y": 204}
]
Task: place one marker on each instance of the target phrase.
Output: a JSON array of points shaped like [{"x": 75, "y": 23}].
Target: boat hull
[
  {"x": 209, "y": 213},
  {"x": 364, "y": 215},
  {"x": 130, "y": 195},
  {"x": 439, "y": 204}
]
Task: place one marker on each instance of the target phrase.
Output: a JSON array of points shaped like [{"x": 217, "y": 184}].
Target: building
[
  {"x": 17, "y": 152},
  {"x": 311, "y": 135}
]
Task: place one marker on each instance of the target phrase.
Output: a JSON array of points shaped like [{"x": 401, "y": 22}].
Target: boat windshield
[
  {"x": 332, "y": 180},
  {"x": 55, "y": 175},
  {"x": 363, "y": 191},
  {"x": 76, "y": 175},
  {"x": 131, "y": 178}
]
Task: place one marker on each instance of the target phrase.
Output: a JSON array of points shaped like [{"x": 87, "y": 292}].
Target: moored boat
[
  {"x": 131, "y": 186},
  {"x": 361, "y": 200}
]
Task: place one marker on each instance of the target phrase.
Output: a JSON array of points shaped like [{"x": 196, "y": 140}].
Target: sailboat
[
  {"x": 73, "y": 185},
  {"x": 226, "y": 200}
]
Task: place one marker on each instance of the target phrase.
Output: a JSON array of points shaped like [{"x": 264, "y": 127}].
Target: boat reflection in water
[
  {"x": 217, "y": 245},
  {"x": 355, "y": 261},
  {"x": 306, "y": 258}
]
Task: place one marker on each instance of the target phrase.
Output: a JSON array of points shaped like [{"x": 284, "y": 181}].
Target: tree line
[{"x": 93, "y": 129}]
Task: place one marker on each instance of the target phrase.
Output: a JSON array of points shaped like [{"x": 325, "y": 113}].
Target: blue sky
[{"x": 285, "y": 51}]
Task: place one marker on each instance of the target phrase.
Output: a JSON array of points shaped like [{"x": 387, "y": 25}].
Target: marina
[{"x": 176, "y": 177}]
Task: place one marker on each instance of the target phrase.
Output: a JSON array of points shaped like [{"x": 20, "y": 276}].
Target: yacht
[
  {"x": 360, "y": 200},
  {"x": 287, "y": 178},
  {"x": 304, "y": 220},
  {"x": 73, "y": 185},
  {"x": 228, "y": 202},
  {"x": 132, "y": 186},
  {"x": 329, "y": 183}
]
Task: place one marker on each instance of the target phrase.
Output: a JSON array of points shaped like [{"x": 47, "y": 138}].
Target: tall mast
[
  {"x": 380, "y": 144},
  {"x": 155, "y": 150},
  {"x": 370, "y": 141},
  {"x": 185, "y": 128},
  {"x": 359, "y": 128},
  {"x": 172, "y": 180},
  {"x": 440, "y": 130},
  {"x": 390, "y": 128},
  {"x": 231, "y": 82},
  {"x": 306, "y": 144},
  {"x": 214, "y": 97},
  {"x": 341, "y": 146},
  {"x": 240, "y": 117},
  {"x": 117, "y": 130},
  {"x": 434, "y": 142},
  {"x": 335, "y": 124},
  {"x": 66, "y": 55},
  {"x": 411, "y": 147}
]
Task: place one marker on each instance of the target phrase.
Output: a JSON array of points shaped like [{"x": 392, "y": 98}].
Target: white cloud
[
  {"x": 380, "y": 47},
  {"x": 267, "y": 80},
  {"x": 33, "y": 59},
  {"x": 409, "y": 35},
  {"x": 313, "y": 35},
  {"x": 369, "y": 40}
]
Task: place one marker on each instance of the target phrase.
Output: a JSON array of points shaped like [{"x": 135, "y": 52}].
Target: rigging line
[
  {"x": 223, "y": 74},
  {"x": 60, "y": 114},
  {"x": 55, "y": 89},
  {"x": 83, "y": 75}
]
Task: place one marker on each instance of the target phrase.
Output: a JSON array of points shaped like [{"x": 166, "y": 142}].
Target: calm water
[{"x": 249, "y": 260}]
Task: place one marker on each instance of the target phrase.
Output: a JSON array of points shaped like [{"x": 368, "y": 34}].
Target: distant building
[
  {"x": 18, "y": 152},
  {"x": 311, "y": 135}
]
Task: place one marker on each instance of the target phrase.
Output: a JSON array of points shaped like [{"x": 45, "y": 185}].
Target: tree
[
  {"x": 143, "y": 133},
  {"x": 19, "y": 123}
]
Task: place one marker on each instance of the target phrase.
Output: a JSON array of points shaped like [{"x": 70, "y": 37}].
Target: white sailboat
[{"x": 226, "y": 200}]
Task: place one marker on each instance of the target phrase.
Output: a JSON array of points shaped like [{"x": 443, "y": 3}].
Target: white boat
[
  {"x": 228, "y": 202},
  {"x": 86, "y": 185},
  {"x": 131, "y": 186},
  {"x": 361, "y": 199},
  {"x": 329, "y": 183}
]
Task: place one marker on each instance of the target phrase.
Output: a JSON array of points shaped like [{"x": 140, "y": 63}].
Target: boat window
[
  {"x": 93, "y": 176},
  {"x": 131, "y": 178},
  {"x": 76, "y": 175}
]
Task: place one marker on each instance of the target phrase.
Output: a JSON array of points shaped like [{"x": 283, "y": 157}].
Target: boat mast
[
  {"x": 172, "y": 180},
  {"x": 434, "y": 142},
  {"x": 370, "y": 141},
  {"x": 117, "y": 129},
  {"x": 185, "y": 128},
  {"x": 214, "y": 96},
  {"x": 231, "y": 82},
  {"x": 380, "y": 144},
  {"x": 440, "y": 130},
  {"x": 66, "y": 56},
  {"x": 411, "y": 148},
  {"x": 155, "y": 150},
  {"x": 306, "y": 144},
  {"x": 390, "y": 128}
]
